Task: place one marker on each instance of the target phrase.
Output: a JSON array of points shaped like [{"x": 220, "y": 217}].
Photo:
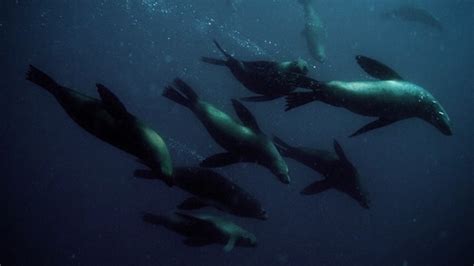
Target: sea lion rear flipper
[
  {"x": 376, "y": 69},
  {"x": 181, "y": 93},
  {"x": 111, "y": 102},
  {"x": 42, "y": 79},
  {"x": 230, "y": 244},
  {"x": 262, "y": 98},
  {"x": 297, "y": 99},
  {"x": 220, "y": 159},
  {"x": 197, "y": 242},
  {"x": 317, "y": 187},
  {"x": 245, "y": 116},
  {"x": 381, "y": 122},
  {"x": 191, "y": 203}
]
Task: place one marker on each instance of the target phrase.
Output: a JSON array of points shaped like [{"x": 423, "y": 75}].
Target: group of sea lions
[{"x": 389, "y": 98}]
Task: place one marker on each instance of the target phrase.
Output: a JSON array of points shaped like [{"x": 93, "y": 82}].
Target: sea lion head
[
  {"x": 435, "y": 114},
  {"x": 297, "y": 66}
]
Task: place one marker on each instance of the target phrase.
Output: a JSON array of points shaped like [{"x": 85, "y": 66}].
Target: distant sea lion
[
  {"x": 212, "y": 189},
  {"x": 313, "y": 31},
  {"x": 244, "y": 142},
  {"x": 339, "y": 173},
  {"x": 204, "y": 229},
  {"x": 270, "y": 79},
  {"x": 414, "y": 14},
  {"x": 391, "y": 99},
  {"x": 109, "y": 120}
]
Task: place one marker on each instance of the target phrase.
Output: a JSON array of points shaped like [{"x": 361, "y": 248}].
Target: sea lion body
[
  {"x": 245, "y": 142},
  {"x": 109, "y": 120},
  {"x": 390, "y": 98},
  {"x": 204, "y": 229}
]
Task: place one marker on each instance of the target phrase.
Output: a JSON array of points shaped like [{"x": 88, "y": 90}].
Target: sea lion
[
  {"x": 209, "y": 188},
  {"x": 244, "y": 142},
  {"x": 339, "y": 173},
  {"x": 109, "y": 120},
  {"x": 414, "y": 14},
  {"x": 391, "y": 99},
  {"x": 313, "y": 31},
  {"x": 204, "y": 229},
  {"x": 270, "y": 79}
]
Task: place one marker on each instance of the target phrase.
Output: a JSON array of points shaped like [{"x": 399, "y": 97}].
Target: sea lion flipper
[
  {"x": 191, "y": 203},
  {"x": 282, "y": 146},
  {"x": 261, "y": 98},
  {"x": 42, "y": 79},
  {"x": 197, "y": 242},
  {"x": 220, "y": 159},
  {"x": 381, "y": 122},
  {"x": 230, "y": 244},
  {"x": 317, "y": 187},
  {"x": 245, "y": 116},
  {"x": 296, "y": 99},
  {"x": 339, "y": 151},
  {"x": 111, "y": 102},
  {"x": 376, "y": 69}
]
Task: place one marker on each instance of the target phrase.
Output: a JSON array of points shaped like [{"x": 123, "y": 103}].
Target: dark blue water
[{"x": 70, "y": 199}]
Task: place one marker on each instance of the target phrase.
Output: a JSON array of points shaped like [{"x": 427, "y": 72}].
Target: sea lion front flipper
[
  {"x": 111, "y": 102},
  {"x": 317, "y": 187},
  {"x": 262, "y": 98},
  {"x": 376, "y": 69},
  {"x": 220, "y": 159},
  {"x": 191, "y": 203},
  {"x": 230, "y": 244},
  {"x": 381, "y": 122},
  {"x": 339, "y": 151},
  {"x": 197, "y": 242},
  {"x": 283, "y": 147},
  {"x": 245, "y": 116}
]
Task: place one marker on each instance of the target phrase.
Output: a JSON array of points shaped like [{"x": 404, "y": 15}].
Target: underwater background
[{"x": 70, "y": 199}]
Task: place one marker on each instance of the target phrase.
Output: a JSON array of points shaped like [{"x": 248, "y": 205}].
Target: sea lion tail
[
  {"x": 181, "y": 93},
  {"x": 214, "y": 61},
  {"x": 296, "y": 99},
  {"x": 42, "y": 79}
]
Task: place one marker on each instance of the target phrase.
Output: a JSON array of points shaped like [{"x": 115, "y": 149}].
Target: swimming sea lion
[
  {"x": 267, "y": 78},
  {"x": 244, "y": 142},
  {"x": 109, "y": 120},
  {"x": 204, "y": 229},
  {"x": 313, "y": 31},
  {"x": 339, "y": 173},
  {"x": 391, "y": 99},
  {"x": 212, "y": 189},
  {"x": 414, "y": 14}
]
